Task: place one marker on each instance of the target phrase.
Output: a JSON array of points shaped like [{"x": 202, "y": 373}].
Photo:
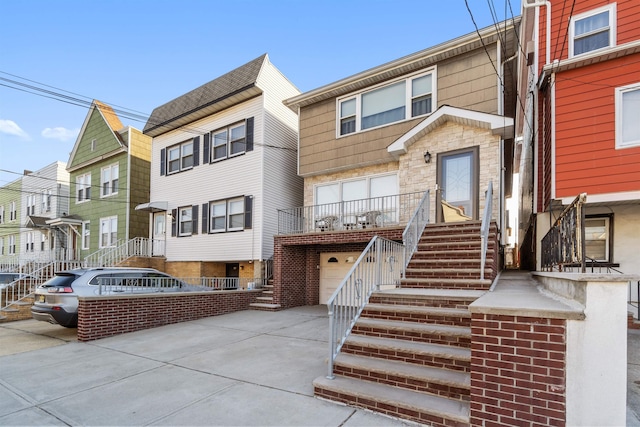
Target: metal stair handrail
[
  {"x": 486, "y": 225},
  {"x": 381, "y": 263},
  {"x": 138, "y": 246},
  {"x": 415, "y": 228}
]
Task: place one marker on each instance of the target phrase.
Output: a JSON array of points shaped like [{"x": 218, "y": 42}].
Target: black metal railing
[{"x": 564, "y": 244}]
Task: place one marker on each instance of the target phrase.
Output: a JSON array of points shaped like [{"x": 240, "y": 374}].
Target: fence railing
[
  {"x": 414, "y": 229},
  {"x": 138, "y": 246},
  {"x": 349, "y": 215},
  {"x": 485, "y": 226},
  {"x": 380, "y": 264},
  {"x": 564, "y": 243},
  {"x": 133, "y": 284}
]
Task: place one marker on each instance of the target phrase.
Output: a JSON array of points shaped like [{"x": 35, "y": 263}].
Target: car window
[
  {"x": 61, "y": 280},
  {"x": 116, "y": 279}
]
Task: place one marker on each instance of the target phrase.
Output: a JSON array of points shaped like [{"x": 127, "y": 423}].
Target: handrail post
[{"x": 332, "y": 343}]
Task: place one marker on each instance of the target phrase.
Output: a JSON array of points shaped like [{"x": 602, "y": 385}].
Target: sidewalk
[{"x": 246, "y": 368}]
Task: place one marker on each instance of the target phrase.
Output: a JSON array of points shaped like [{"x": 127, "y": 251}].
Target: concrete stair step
[
  {"x": 264, "y": 306},
  {"x": 419, "y": 407},
  {"x": 264, "y": 298},
  {"x": 422, "y": 314},
  {"x": 441, "y": 382},
  {"x": 420, "y": 353},
  {"x": 453, "y": 335}
]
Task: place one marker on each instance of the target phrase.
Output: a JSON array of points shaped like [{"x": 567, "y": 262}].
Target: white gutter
[{"x": 547, "y": 4}]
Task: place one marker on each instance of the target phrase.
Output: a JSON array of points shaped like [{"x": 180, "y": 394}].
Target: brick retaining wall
[{"x": 100, "y": 317}]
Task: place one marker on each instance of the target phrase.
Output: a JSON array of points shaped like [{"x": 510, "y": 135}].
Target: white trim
[
  {"x": 552, "y": 89},
  {"x": 618, "y": 114},
  {"x": 611, "y": 8},
  {"x": 499, "y": 125},
  {"x": 624, "y": 196}
]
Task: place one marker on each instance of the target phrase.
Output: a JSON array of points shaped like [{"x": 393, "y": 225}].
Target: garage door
[{"x": 334, "y": 266}]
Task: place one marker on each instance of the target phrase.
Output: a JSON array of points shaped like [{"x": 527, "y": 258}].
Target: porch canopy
[{"x": 153, "y": 207}]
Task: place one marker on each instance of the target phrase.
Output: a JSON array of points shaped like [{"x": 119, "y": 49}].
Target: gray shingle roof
[{"x": 202, "y": 101}]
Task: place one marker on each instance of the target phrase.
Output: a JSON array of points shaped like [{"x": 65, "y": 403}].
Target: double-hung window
[
  {"x": 13, "y": 213},
  {"x": 218, "y": 218},
  {"x": 46, "y": 200},
  {"x": 391, "y": 103},
  {"x": 1, "y": 214},
  {"x": 30, "y": 243},
  {"x": 83, "y": 187},
  {"x": 31, "y": 204},
  {"x": 228, "y": 142},
  {"x": 109, "y": 177},
  {"x": 43, "y": 240},
  {"x": 108, "y": 231},
  {"x": 185, "y": 221},
  {"x": 230, "y": 214},
  {"x": 86, "y": 234},
  {"x": 12, "y": 245},
  {"x": 1, "y": 245},
  {"x": 627, "y": 113},
  {"x": 180, "y": 157},
  {"x": 592, "y": 30},
  {"x": 597, "y": 230}
]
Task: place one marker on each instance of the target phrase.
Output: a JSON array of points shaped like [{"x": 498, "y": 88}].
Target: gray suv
[{"x": 56, "y": 300}]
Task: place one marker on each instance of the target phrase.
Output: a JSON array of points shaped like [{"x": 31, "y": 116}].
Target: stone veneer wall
[{"x": 100, "y": 317}]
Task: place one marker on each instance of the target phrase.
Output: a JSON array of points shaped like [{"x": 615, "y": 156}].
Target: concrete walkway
[{"x": 249, "y": 368}]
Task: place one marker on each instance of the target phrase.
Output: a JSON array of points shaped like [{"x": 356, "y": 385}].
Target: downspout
[{"x": 547, "y": 4}]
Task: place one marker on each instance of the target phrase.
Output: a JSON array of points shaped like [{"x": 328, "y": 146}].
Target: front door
[
  {"x": 457, "y": 195},
  {"x": 159, "y": 233},
  {"x": 233, "y": 273}
]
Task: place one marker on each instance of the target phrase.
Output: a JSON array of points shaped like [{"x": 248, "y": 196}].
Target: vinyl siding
[
  {"x": 585, "y": 155},
  {"x": 234, "y": 177},
  {"x": 282, "y": 187}
]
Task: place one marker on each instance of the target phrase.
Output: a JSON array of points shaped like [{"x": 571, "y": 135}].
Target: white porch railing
[
  {"x": 484, "y": 228},
  {"x": 381, "y": 263},
  {"x": 138, "y": 246}
]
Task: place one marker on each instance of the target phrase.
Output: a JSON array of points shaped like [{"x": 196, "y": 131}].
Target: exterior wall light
[{"x": 427, "y": 157}]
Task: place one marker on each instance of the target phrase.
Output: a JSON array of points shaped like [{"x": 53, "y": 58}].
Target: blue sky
[{"x": 138, "y": 54}]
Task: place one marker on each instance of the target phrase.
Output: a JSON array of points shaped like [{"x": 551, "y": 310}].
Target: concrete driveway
[{"x": 247, "y": 368}]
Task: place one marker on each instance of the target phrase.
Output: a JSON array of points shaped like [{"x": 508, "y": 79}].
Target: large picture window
[
  {"x": 394, "y": 102},
  {"x": 593, "y": 30},
  {"x": 627, "y": 113}
]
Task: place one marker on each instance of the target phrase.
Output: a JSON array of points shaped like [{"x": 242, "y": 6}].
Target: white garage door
[{"x": 334, "y": 266}]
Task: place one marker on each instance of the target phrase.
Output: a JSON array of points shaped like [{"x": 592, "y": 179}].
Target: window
[
  {"x": 229, "y": 215},
  {"x": 185, "y": 221},
  {"x": 592, "y": 31},
  {"x": 627, "y": 113},
  {"x": 94, "y": 144},
  {"x": 1, "y": 245},
  {"x": 13, "y": 213},
  {"x": 12, "y": 245},
  {"x": 180, "y": 157},
  {"x": 109, "y": 178},
  {"x": 86, "y": 234},
  {"x": 31, "y": 204},
  {"x": 43, "y": 240},
  {"x": 30, "y": 238},
  {"x": 108, "y": 231},
  {"x": 597, "y": 237},
  {"x": 83, "y": 187},
  {"x": 228, "y": 142},
  {"x": 46, "y": 201},
  {"x": 1, "y": 214},
  {"x": 400, "y": 100}
]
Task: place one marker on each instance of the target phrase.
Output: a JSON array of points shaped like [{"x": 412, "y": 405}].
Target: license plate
[{"x": 40, "y": 298}]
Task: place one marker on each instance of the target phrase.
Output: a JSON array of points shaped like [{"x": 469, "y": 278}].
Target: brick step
[
  {"x": 439, "y": 283},
  {"x": 453, "y": 335},
  {"x": 419, "y": 353},
  {"x": 421, "y": 314},
  {"x": 440, "y": 245},
  {"x": 450, "y": 273},
  {"x": 440, "y": 382},
  {"x": 428, "y": 236},
  {"x": 396, "y": 402},
  {"x": 421, "y": 297},
  {"x": 473, "y": 262},
  {"x": 451, "y": 254}
]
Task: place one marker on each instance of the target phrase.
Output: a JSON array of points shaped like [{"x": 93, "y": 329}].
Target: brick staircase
[{"x": 408, "y": 355}]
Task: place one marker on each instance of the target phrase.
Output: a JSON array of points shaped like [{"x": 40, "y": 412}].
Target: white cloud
[
  {"x": 11, "y": 128},
  {"x": 60, "y": 133}
]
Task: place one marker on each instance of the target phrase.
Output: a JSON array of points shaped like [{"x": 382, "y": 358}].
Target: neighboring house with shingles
[
  {"x": 109, "y": 175},
  {"x": 581, "y": 130},
  {"x": 223, "y": 162},
  {"x": 373, "y": 143}
]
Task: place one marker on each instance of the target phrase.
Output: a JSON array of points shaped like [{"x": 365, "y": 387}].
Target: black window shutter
[
  {"x": 174, "y": 222},
  {"x": 194, "y": 219},
  {"x": 163, "y": 154},
  {"x": 205, "y": 218},
  {"x": 249, "y": 131},
  {"x": 205, "y": 150},
  {"x": 248, "y": 207},
  {"x": 196, "y": 151}
]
